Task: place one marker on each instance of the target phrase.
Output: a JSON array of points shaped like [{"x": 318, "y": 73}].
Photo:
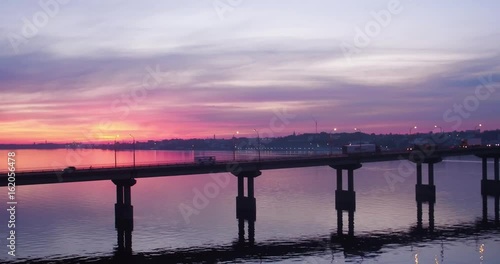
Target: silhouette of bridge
[
  {"x": 233, "y": 166},
  {"x": 345, "y": 200}
]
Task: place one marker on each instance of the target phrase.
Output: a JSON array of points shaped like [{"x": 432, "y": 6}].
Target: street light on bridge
[
  {"x": 234, "y": 145},
  {"x": 360, "y": 134},
  {"x": 440, "y": 128},
  {"x": 115, "y": 148},
  {"x": 258, "y": 142},
  {"x": 331, "y": 141},
  {"x": 134, "y": 148},
  {"x": 316, "y": 124}
]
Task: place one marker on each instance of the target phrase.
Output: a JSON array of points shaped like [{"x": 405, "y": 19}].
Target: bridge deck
[{"x": 112, "y": 173}]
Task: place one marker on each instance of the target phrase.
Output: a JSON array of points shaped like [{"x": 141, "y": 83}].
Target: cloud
[{"x": 218, "y": 75}]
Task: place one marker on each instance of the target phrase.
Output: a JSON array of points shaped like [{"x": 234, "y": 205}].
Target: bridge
[
  {"x": 233, "y": 166},
  {"x": 345, "y": 200}
]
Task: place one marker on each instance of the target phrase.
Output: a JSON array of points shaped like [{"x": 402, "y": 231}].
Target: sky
[{"x": 92, "y": 71}]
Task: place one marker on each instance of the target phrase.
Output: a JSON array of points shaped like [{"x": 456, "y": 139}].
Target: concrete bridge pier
[
  {"x": 497, "y": 210},
  {"x": 426, "y": 192},
  {"x": 345, "y": 200},
  {"x": 490, "y": 187},
  {"x": 124, "y": 214},
  {"x": 246, "y": 206}
]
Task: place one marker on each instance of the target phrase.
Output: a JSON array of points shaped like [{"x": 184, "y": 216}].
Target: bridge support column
[
  {"x": 345, "y": 200},
  {"x": 419, "y": 173},
  {"x": 485, "y": 168},
  {"x": 497, "y": 209},
  {"x": 426, "y": 192},
  {"x": 124, "y": 214},
  {"x": 490, "y": 187},
  {"x": 497, "y": 176},
  {"x": 246, "y": 206}
]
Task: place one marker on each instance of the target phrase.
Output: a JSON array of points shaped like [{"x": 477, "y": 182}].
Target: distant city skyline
[
  {"x": 308, "y": 135},
  {"x": 87, "y": 70}
]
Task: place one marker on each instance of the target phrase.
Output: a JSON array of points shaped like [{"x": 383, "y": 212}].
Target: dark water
[{"x": 296, "y": 217}]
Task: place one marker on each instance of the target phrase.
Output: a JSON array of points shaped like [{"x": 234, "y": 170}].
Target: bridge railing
[
  {"x": 139, "y": 165},
  {"x": 175, "y": 163}
]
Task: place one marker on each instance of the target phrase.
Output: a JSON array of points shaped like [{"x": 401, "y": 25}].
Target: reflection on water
[
  {"x": 420, "y": 213},
  {"x": 296, "y": 219}
]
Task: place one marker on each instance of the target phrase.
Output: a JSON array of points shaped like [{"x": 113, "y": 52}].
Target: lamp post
[
  {"x": 331, "y": 141},
  {"x": 475, "y": 128},
  {"x": 358, "y": 130},
  {"x": 411, "y": 128},
  {"x": 316, "y": 125},
  {"x": 134, "y": 148},
  {"x": 115, "y": 148},
  {"x": 234, "y": 146},
  {"x": 258, "y": 142},
  {"x": 440, "y": 128}
]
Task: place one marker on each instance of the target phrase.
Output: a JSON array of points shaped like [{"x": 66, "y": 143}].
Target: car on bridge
[
  {"x": 361, "y": 149},
  {"x": 69, "y": 169},
  {"x": 423, "y": 147},
  {"x": 205, "y": 160},
  {"x": 470, "y": 143}
]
